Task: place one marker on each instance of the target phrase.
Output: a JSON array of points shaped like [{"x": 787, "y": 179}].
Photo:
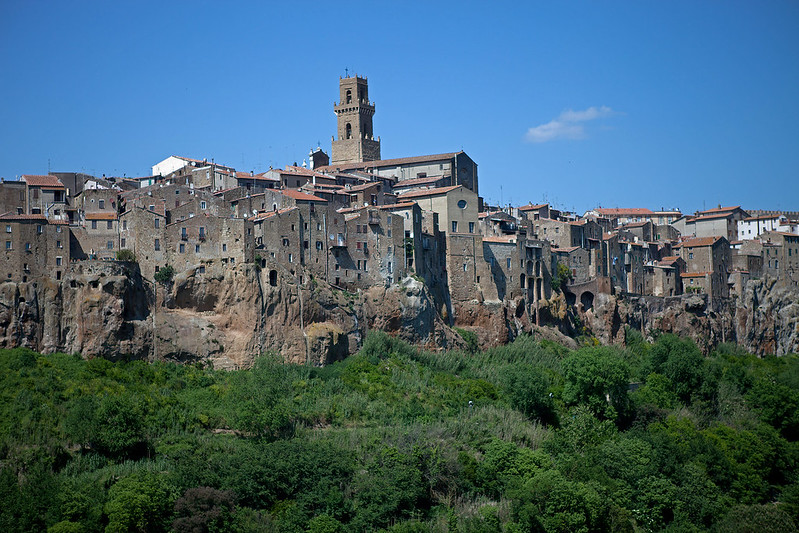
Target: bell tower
[{"x": 354, "y": 141}]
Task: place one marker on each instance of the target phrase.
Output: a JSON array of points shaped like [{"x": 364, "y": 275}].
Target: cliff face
[
  {"x": 224, "y": 316},
  {"x": 227, "y": 316},
  {"x": 764, "y": 320}
]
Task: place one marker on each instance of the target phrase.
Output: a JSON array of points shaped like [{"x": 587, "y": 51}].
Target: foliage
[
  {"x": 527, "y": 436},
  {"x": 126, "y": 255},
  {"x": 164, "y": 274},
  {"x": 562, "y": 276}
]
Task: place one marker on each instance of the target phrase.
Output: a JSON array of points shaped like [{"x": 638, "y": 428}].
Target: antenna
[{"x": 346, "y": 72}]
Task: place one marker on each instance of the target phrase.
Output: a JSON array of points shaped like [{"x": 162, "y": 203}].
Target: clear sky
[{"x": 617, "y": 104}]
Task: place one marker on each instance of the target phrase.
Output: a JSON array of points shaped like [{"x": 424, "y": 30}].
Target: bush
[
  {"x": 126, "y": 255},
  {"x": 165, "y": 274}
]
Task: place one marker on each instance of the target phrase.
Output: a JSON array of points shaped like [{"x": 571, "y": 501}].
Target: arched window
[
  {"x": 349, "y": 96},
  {"x": 349, "y": 131}
]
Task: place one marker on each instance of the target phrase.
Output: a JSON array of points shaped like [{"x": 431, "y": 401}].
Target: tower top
[{"x": 355, "y": 141}]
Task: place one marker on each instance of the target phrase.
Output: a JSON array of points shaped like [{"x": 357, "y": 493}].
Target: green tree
[
  {"x": 139, "y": 502},
  {"x": 596, "y": 377},
  {"x": 527, "y": 389},
  {"x": 165, "y": 274}
]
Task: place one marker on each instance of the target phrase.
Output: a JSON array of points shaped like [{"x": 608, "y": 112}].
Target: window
[
  {"x": 465, "y": 267},
  {"x": 101, "y": 204},
  {"x": 182, "y": 248},
  {"x": 109, "y": 224},
  {"x": 8, "y": 245},
  {"x": 202, "y": 205},
  {"x": 454, "y": 226},
  {"x": 348, "y": 134},
  {"x": 109, "y": 245},
  {"x": 58, "y": 229},
  {"x": 122, "y": 243},
  {"x": 690, "y": 255},
  {"x": 157, "y": 223},
  {"x": 157, "y": 245},
  {"x": 508, "y": 262},
  {"x": 202, "y": 233},
  {"x": 291, "y": 258},
  {"x": 8, "y": 228},
  {"x": 318, "y": 226},
  {"x": 285, "y": 242},
  {"x": 224, "y": 247},
  {"x": 471, "y": 227},
  {"x": 27, "y": 247},
  {"x": 462, "y": 204},
  {"x": 196, "y": 248},
  {"x": 58, "y": 261},
  {"x": 39, "y": 229},
  {"x": 58, "y": 244},
  {"x": 318, "y": 245},
  {"x": 184, "y": 235},
  {"x": 94, "y": 224}
]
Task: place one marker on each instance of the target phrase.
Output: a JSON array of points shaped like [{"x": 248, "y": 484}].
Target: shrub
[
  {"x": 165, "y": 274},
  {"x": 126, "y": 255}
]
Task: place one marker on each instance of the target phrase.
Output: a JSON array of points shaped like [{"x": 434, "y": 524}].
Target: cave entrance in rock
[
  {"x": 273, "y": 278},
  {"x": 571, "y": 298},
  {"x": 587, "y": 299}
]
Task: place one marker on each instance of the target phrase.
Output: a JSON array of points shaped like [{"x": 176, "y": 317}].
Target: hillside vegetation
[{"x": 526, "y": 437}]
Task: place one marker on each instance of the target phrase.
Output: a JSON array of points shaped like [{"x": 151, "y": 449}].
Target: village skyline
[{"x": 574, "y": 105}]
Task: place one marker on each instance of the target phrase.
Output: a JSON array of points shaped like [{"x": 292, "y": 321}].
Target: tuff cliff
[
  {"x": 227, "y": 316},
  {"x": 224, "y": 316}
]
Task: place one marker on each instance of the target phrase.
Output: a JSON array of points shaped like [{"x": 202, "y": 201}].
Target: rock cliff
[{"x": 227, "y": 316}]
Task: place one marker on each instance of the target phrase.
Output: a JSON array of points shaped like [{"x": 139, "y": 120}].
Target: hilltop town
[{"x": 356, "y": 222}]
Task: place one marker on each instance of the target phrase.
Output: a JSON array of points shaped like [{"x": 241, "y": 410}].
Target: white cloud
[{"x": 567, "y": 126}]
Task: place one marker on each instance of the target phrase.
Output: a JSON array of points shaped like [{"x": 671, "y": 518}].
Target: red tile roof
[
  {"x": 531, "y": 207},
  {"x": 413, "y": 182},
  {"x": 45, "y": 182},
  {"x": 301, "y": 196},
  {"x": 402, "y": 205},
  {"x": 362, "y": 187},
  {"x": 392, "y": 162},
  {"x": 101, "y": 216},
  {"x": 719, "y": 210},
  {"x": 694, "y": 274},
  {"x": 428, "y": 192},
  {"x": 9, "y": 216},
  {"x": 701, "y": 241}
]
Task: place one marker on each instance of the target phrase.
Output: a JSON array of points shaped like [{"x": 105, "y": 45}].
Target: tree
[
  {"x": 596, "y": 377},
  {"x": 561, "y": 277},
  {"x": 204, "y": 509},
  {"x": 527, "y": 388},
  {"x": 139, "y": 502},
  {"x": 165, "y": 274},
  {"x": 126, "y": 255}
]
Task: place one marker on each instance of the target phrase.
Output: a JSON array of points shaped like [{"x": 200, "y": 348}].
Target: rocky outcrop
[
  {"x": 763, "y": 320},
  {"x": 226, "y": 316}
]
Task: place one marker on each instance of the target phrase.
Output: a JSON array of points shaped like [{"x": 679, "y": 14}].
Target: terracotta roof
[
  {"x": 694, "y": 274},
  {"x": 531, "y": 207},
  {"x": 301, "y": 196},
  {"x": 700, "y": 241},
  {"x": 402, "y": 205},
  {"x": 763, "y": 217},
  {"x": 9, "y": 216},
  {"x": 362, "y": 186},
  {"x": 269, "y": 214},
  {"x": 713, "y": 216},
  {"x": 101, "y": 216},
  {"x": 671, "y": 258},
  {"x": 511, "y": 239},
  {"x": 636, "y": 224},
  {"x": 418, "y": 181},
  {"x": 428, "y": 192},
  {"x": 720, "y": 210},
  {"x": 568, "y": 249},
  {"x": 616, "y": 211},
  {"x": 45, "y": 182},
  {"x": 392, "y": 162}
]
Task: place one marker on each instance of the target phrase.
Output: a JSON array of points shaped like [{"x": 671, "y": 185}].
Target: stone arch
[
  {"x": 348, "y": 134},
  {"x": 522, "y": 279},
  {"x": 571, "y": 298},
  {"x": 587, "y": 299}
]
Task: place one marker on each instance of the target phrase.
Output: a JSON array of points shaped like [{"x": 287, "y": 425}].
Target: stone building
[
  {"x": 143, "y": 232},
  {"x": 206, "y": 238},
  {"x": 457, "y": 168},
  {"x": 497, "y": 224},
  {"x": 783, "y": 256},
  {"x": 708, "y": 255},
  {"x": 33, "y": 247},
  {"x": 456, "y": 207},
  {"x": 576, "y": 260},
  {"x": 45, "y": 195},
  {"x": 13, "y": 197},
  {"x": 662, "y": 279}
]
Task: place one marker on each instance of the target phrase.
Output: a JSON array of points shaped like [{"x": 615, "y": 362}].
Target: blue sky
[{"x": 619, "y": 104}]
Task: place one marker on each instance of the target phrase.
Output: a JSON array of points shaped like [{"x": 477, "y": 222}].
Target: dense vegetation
[{"x": 526, "y": 437}]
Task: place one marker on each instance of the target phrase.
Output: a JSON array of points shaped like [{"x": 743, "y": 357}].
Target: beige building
[
  {"x": 33, "y": 247},
  {"x": 456, "y": 207}
]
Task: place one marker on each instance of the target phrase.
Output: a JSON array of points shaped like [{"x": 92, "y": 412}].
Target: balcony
[
  {"x": 374, "y": 217},
  {"x": 338, "y": 242}
]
